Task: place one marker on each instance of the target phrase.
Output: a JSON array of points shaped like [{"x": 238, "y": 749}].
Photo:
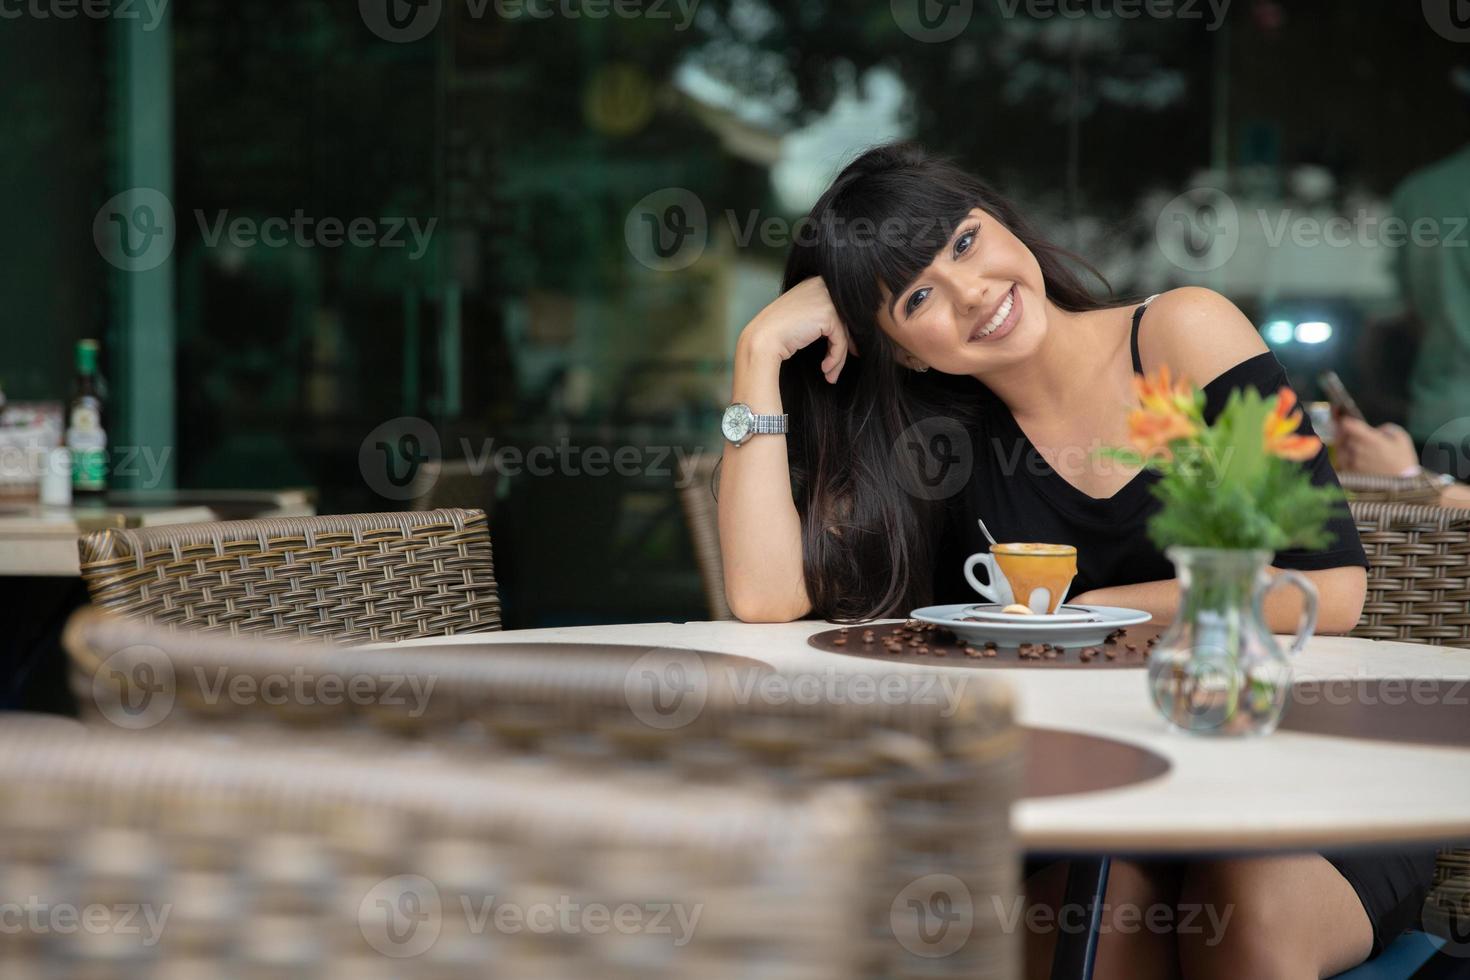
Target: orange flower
[
  {"x": 1281, "y": 426},
  {"x": 1165, "y": 414}
]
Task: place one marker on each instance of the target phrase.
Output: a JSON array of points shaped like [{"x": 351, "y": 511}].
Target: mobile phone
[{"x": 1337, "y": 394}]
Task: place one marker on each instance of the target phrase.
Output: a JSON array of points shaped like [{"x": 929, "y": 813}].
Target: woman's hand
[
  {"x": 1383, "y": 451},
  {"x": 800, "y": 316}
]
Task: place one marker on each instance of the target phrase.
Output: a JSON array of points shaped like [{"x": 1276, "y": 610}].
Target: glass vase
[{"x": 1217, "y": 669}]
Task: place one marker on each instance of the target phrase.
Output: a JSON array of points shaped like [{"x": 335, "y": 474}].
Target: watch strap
[{"x": 770, "y": 424}]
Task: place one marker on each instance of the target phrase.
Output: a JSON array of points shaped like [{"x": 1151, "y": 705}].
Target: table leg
[{"x": 1087, "y": 883}]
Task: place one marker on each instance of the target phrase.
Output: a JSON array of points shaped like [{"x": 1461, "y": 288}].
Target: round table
[{"x": 1286, "y": 791}]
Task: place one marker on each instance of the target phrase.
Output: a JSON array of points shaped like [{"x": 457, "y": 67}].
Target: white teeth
[{"x": 999, "y": 317}]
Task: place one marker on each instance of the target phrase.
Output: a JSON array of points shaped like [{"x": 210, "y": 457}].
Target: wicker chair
[
  {"x": 1419, "y": 592},
  {"x": 942, "y": 775},
  {"x": 356, "y": 578},
  {"x": 293, "y": 861},
  {"x": 702, "y": 516},
  {"x": 1390, "y": 489}
]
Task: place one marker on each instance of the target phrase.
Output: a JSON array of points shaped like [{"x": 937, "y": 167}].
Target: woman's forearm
[
  {"x": 760, "y": 530},
  {"x": 1340, "y": 593}
]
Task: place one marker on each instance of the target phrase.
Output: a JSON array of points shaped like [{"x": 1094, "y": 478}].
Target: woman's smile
[{"x": 1001, "y": 321}]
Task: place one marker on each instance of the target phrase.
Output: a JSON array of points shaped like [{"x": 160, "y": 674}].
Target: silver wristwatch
[{"x": 740, "y": 423}]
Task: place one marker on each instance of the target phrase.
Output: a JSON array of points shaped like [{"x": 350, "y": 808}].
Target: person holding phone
[{"x": 1387, "y": 450}]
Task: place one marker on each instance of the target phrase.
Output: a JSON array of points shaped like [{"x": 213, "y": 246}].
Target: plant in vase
[{"x": 1232, "y": 493}]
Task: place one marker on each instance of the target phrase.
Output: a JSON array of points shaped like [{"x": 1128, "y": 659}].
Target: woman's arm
[
  {"x": 1340, "y": 595},
  {"x": 760, "y": 529}
]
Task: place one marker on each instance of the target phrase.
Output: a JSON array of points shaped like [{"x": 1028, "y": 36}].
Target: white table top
[
  {"x": 37, "y": 540},
  {"x": 1288, "y": 790}
]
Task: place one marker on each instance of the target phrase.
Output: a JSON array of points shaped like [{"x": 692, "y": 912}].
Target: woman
[{"x": 917, "y": 304}]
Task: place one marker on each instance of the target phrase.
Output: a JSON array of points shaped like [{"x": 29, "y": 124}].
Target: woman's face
[{"x": 979, "y": 306}]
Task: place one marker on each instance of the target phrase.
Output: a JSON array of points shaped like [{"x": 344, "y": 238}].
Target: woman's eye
[
  {"x": 915, "y": 298},
  {"x": 962, "y": 245}
]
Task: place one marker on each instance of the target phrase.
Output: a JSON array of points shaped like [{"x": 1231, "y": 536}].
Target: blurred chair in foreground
[
  {"x": 356, "y": 578},
  {"x": 141, "y": 857},
  {"x": 1419, "y": 592},
  {"x": 939, "y": 756},
  {"x": 702, "y": 515}
]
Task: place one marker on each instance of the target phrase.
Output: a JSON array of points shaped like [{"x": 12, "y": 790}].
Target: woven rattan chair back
[
  {"x": 702, "y": 515},
  {"x": 293, "y": 861},
  {"x": 1419, "y": 592},
  {"x": 354, "y": 578},
  {"x": 1418, "y": 573},
  {"x": 939, "y": 755},
  {"x": 1389, "y": 489}
]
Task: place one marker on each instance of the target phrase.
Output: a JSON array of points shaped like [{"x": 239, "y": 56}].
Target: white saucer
[
  {"x": 1016, "y": 630},
  {"x": 1064, "y": 614}
]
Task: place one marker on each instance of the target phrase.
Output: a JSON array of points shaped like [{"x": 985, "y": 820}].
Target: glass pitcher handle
[{"x": 1309, "y": 609}]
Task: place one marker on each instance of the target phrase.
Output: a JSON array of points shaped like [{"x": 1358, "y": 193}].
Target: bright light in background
[
  {"x": 1279, "y": 332},
  {"x": 1313, "y": 331}
]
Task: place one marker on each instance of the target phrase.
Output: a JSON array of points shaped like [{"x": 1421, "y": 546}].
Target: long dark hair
[{"x": 868, "y": 540}]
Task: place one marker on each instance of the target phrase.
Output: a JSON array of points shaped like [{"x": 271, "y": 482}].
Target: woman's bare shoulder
[{"x": 1198, "y": 333}]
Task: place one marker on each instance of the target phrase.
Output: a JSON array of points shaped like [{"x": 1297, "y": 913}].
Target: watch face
[{"x": 737, "y": 423}]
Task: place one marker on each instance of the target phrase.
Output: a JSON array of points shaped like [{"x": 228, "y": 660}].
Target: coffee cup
[{"x": 1032, "y": 574}]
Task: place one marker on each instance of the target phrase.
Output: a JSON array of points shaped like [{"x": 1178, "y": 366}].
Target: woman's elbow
[
  {"x": 764, "y": 608},
  {"x": 1341, "y": 594}
]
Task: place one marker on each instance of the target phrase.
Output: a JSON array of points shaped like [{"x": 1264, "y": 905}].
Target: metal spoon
[{"x": 985, "y": 530}]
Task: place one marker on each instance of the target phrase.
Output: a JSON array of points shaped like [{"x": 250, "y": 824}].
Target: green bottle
[{"x": 85, "y": 435}]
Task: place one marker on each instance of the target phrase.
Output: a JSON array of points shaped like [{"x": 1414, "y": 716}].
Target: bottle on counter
[{"x": 85, "y": 435}]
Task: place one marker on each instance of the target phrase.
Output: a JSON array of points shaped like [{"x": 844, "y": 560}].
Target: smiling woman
[
  {"x": 957, "y": 280},
  {"x": 868, "y": 504}
]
